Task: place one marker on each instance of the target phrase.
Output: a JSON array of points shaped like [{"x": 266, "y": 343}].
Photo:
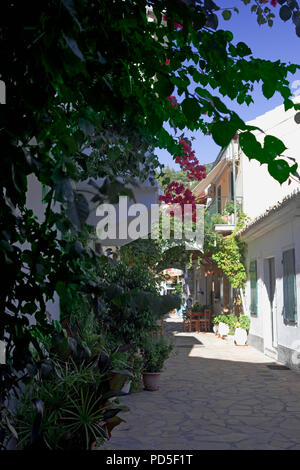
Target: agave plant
[{"x": 72, "y": 400}]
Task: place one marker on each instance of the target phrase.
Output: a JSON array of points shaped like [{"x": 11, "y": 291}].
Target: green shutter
[
  {"x": 253, "y": 287},
  {"x": 289, "y": 286}
]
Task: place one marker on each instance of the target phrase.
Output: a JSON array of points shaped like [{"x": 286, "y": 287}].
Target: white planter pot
[
  {"x": 126, "y": 387},
  {"x": 240, "y": 336},
  {"x": 215, "y": 329},
  {"x": 223, "y": 329}
]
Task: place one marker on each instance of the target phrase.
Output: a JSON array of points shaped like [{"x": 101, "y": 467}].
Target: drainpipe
[{"x": 233, "y": 177}]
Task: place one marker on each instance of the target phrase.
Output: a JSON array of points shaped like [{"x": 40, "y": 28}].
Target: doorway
[{"x": 271, "y": 288}]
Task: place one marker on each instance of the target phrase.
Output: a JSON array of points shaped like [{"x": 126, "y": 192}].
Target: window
[
  {"x": 217, "y": 283},
  {"x": 219, "y": 199},
  {"x": 289, "y": 286},
  {"x": 253, "y": 287}
]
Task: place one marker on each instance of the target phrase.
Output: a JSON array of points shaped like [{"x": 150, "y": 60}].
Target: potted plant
[
  {"x": 197, "y": 308},
  {"x": 155, "y": 351},
  {"x": 241, "y": 331},
  {"x": 216, "y": 322},
  {"x": 222, "y": 325},
  {"x": 231, "y": 322}
]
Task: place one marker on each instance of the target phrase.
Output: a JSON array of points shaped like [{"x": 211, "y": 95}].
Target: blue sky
[{"x": 278, "y": 42}]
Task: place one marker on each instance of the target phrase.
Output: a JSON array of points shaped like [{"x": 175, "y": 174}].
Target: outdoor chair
[
  {"x": 205, "y": 321},
  {"x": 190, "y": 323}
]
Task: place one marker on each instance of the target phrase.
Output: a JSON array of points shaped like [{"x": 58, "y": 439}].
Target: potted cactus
[{"x": 154, "y": 351}]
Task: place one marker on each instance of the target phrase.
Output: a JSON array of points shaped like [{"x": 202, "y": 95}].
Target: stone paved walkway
[{"x": 213, "y": 395}]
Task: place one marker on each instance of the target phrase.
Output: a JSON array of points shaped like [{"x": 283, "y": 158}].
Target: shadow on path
[{"x": 213, "y": 395}]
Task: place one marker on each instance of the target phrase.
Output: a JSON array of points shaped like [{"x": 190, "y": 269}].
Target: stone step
[{"x": 271, "y": 353}]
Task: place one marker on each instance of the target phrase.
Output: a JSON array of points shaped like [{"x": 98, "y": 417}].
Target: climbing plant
[{"x": 228, "y": 253}]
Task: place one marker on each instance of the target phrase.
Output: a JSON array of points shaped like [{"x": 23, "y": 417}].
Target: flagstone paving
[{"x": 213, "y": 395}]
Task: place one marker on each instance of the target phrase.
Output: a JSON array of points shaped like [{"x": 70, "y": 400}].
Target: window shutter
[
  {"x": 289, "y": 286},
  {"x": 253, "y": 287}
]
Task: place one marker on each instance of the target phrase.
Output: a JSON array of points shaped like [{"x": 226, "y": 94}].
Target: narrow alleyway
[{"x": 213, "y": 395}]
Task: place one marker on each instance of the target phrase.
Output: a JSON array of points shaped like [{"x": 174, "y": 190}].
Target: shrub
[
  {"x": 155, "y": 351},
  {"x": 243, "y": 322}
]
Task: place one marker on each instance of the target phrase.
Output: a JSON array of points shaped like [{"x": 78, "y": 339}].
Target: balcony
[{"x": 219, "y": 213}]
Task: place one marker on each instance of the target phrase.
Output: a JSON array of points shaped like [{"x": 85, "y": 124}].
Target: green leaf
[
  {"x": 268, "y": 89},
  {"x": 285, "y": 13},
  {"x": 226, "y": 14},
  {"x": 279, "y": 169},
  {"x": 191, "y": 109},
  {"x": 293, "y": 168},
  {"x": 74, "y": 47},
  {"x": 164, "y": 86},
  {"x": 219, "y": 105},
  {"x": 288, "y": 104},
  {"x": 242, "y": 49},
  {"x": 86, "y": 126},
  {"x": 249, "y": 145},
  {"x": 273, "y": 146},
  {"x": 223, "y": 132}
]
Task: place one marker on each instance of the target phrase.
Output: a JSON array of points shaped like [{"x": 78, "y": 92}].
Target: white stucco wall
[
  {"x": 258, "y": 188},
  {"x": 144, "y": 192},
  {"x": 281, "y": 232},
  {"x": 34, "y": 202}
]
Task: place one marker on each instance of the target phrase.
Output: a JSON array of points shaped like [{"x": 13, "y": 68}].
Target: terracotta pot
[{"x": 151, "y": 380}]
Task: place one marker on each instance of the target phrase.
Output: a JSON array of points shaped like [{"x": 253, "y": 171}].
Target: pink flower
[
  {"x": 185, "y": 146},
  {"x": 167, "y": 61},
  {"x": 177, "y": 25},
  {"x": 173, "y": 101},
  {"x": 274, "y": 3}
]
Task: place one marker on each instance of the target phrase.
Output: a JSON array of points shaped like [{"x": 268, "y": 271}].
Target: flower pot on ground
[
  {"x": 126, "y": 387},
  {"x": 240, "y": 336},
  {"x": 223, "y": 329},
  {"x": 226, "y": 324},
  {"x": 155, "y": 351},
  {"x": 151, "y": 380},
  {"x": 241, "y": 331}
]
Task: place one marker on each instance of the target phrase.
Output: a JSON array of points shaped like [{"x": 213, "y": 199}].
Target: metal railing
[{"x": 220, "y": 210}]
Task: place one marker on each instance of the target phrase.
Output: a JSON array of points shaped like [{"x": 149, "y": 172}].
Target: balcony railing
[{"x": 220, "y": 210}]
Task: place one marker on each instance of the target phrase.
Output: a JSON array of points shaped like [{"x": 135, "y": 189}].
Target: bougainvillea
[
  {"x": 190, "y": 163},
  {"x": 176, "y": 193}
]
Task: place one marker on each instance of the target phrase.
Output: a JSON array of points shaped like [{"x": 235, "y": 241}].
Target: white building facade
[
  {"x": 272, "y": 237},
  {"x": 272, "y": 294}
]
